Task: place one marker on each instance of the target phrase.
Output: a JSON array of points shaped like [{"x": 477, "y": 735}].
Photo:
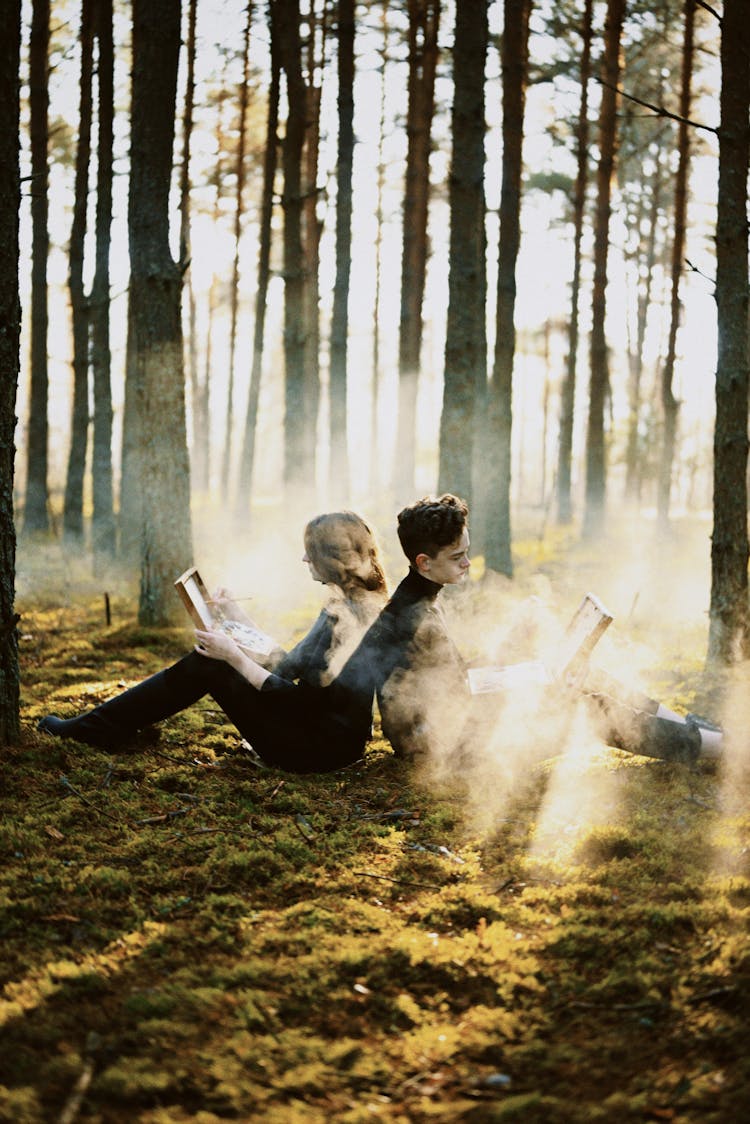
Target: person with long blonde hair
[{"x": 281, "y": 709}]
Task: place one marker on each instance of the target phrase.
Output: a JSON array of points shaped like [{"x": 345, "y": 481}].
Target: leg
[
  {"x": 638, "y": 724},
  {"x": 113, "y": 723}
]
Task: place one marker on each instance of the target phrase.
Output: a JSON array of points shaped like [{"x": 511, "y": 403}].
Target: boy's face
[{"x": 451, "y": 563}]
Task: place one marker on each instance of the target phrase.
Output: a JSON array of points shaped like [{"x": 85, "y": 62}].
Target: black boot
[{"x": 114, "y": 723}]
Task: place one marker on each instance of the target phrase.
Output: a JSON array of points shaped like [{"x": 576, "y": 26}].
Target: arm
[{"x": 217, "y": 645}]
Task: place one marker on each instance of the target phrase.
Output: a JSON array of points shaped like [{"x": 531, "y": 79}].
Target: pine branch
[{"x": 658, "y": 110}]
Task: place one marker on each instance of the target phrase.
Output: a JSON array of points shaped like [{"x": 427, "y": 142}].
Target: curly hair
[{"x": 431, "y": 523}]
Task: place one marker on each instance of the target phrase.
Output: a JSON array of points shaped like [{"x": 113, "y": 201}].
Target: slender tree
[
  {"x": 424, "y": 20},
  {"x": 670, "y": 405},
  {"x": 567, "y": 397},
  {"x": 514, "y": 58},
  {"x": 728, "y": 614},
  {"x": 79, "y": 429},
  {"x": 596, "y": 460},
  {"x": 103, "y": 521},
  {"x": 155, "y": 313},
  {"x": 465, "y": 372},
  {"x": 239, "y": 212},
  {"x": 312, "y": 220},
  {"x": 339, "y": 465},
  {"x": 299, "y": 426},
  {"x": 374, "y": 473},
  {"x": 10, "y": 331},
  {"x": 270, "y": 162},
  {"x": 36, "y": 515}
]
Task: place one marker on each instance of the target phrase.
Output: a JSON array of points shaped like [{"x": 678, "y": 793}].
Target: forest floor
[{"x": 189, "y": 937}]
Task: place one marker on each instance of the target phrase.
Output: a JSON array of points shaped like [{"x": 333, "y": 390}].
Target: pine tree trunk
[
  {"x": 312, "y": 223},
  {"x": 103, "y": 534},
  {"x": 299, "y": 428},
  {"x": 374, "y": 474},
  {"x": 79, "y": 428},
  {"x": 515, "y": 47},
  {"x": 339, "y": 467},
  {"x": 155, "y": 294},
  {"x": 10, "y": 332},
  {"x": 567, "y": 397},
  {"x": 36, "y": 516},
  {"x": 728, "y": 624},
  {"x": 465, "y": 377},
  {"x": 270, "y": 161},
  {"x": 670, "y": 405},
  {"x": 239, "y": 212},
  {"x": 424, "y": 18},
  {"x": 596, "y": 459}
]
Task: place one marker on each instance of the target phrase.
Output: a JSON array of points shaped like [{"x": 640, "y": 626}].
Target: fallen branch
[
  {"x": 66, "y": 784},
  {"x": 73, "y": 1104}
]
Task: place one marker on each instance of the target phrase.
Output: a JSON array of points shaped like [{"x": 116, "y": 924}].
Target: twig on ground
[
  {"x": 73, "y": 1104},
  {"x": 66, "y": 784},
  {"x": 398, "y": 881}
]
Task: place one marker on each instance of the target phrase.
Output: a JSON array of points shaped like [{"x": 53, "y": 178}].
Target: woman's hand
[
  {"x": 224, "y": 601},
  {"x": 217, "y": 645}
]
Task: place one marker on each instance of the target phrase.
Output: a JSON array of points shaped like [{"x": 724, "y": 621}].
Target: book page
[{"x": 253, "y": 640}]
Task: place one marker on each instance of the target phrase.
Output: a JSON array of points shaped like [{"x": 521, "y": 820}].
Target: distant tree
[
  {"x": 465, "y": 371},
  {"x": 514, "y": 58},
  {"x": 596, "y": 460},
  {"x": 670, "y": 406},
  {"x": 239, "y": 215},
  {"x": 79, "y": 429},
  {"x": 10, "y": 331},
  {"x": 424, "y": 20},
  {"x": 155, "y": 314},
  {"x": 339, "y": 466},
  {"x": 375, "y": 475},
  {"x": 567, "y": 396},
  {"x": 728, "y": 639},
  {"x": 299, "y": 427},
  {"x": 36, "y": 515},
  {"x": 270, "y": 162},
  {"x": 103, "y": 534},
  {"x": 312, "y": 214}
]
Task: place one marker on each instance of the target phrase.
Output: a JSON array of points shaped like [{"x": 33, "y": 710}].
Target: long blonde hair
[{"x": 345, "y": 554}]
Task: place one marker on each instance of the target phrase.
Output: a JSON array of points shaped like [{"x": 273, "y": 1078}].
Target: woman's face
[{"x": 311, "y": 566}]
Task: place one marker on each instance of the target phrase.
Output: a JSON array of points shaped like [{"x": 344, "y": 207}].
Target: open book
[
  {"x": 566, "y": 663},
  {"x": 206, "y": 614}
]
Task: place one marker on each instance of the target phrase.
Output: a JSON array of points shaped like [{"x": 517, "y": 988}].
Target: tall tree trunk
[
  {"x": 339, "y": 466},
  {"x": 299, "y": 427},
  {"x": 36, "y": 516},
  {"x": 270, "y": 161},
  {"x": 515, "y": 49},
  {"x": 596, "y": 459},
  {"x": 10, "y": 332},
  {"x": 670, "y": 405},
  {"x": 728, "y": 614},
  {"x": 103, "y": 521},
  {"x": 312, "y": 223},
  {"x": 79, "y": 429},
  {"x": 424, "y": 19},
  {"x": 239, "y": 214},
  {"x": 465, "y": 377},
  {"x": 198, "y": 463},
  {"x": 567, "y": 397},
  {"x": 374, "y": 474},
  {"x": 155, "y": 292}
]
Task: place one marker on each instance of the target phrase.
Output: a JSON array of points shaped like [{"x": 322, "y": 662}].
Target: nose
[{"x": 305, "y": 557}]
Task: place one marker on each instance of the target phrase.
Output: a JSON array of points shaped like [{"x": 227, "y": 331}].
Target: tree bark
[
  {"x": 79, "y": 428},
  {"x": 374, "y": 474},
  {"x": 103, "y": 533},
  {"x": 155, "y": 298},
  {"x": 500, "y": 394},
  {"x": 670, "y": 405},
  {"x": 465, "y": 371},
  {"x": 10, "y": 333},
  {"x": 239, "y": 213},
  {"x": 596, "y": 459},
  {"x": 728, "y": 613},
  {"x": 424, "y": 19},
  {"x": 567, "y": 397},
  {"x": 339, "y": 466},
  {"x": 270, "y": 161},
  {"x": 36, "y": 515}
]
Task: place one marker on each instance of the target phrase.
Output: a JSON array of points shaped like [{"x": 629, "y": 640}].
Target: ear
[{"x": 422, "y": 563}]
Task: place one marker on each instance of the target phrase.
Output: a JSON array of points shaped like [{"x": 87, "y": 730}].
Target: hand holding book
[{"x": 210, "y": 613}]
